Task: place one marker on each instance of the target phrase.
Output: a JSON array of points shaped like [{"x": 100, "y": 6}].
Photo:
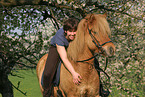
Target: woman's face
[{"x": 70, "y": 35}]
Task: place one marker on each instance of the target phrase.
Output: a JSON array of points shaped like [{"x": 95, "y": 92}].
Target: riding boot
[{"x": 49, "y": 92}]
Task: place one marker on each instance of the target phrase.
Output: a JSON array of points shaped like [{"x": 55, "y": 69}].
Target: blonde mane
[{"x": 98, "y": 24}]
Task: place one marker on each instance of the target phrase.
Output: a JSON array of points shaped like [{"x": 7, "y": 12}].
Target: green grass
[{"x": 28, "y": 84}]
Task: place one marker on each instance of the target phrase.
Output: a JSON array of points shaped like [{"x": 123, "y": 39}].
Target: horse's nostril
[{"x": 111, "y": 50}]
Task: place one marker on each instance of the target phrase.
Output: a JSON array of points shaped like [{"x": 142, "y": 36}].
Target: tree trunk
[{"x": 6, "y": 88}]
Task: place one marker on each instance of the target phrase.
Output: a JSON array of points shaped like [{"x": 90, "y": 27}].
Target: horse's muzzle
[{"x": 109, "y": 51}]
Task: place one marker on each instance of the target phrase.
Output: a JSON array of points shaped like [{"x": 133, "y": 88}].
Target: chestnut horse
[{"x": 92, "y": 37}]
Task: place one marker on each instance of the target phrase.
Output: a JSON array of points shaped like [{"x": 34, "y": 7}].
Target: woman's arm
[{"x": 63, "y": 55}]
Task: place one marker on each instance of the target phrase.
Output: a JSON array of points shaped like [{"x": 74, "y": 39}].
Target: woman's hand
[{"x": 76, "y": 78}]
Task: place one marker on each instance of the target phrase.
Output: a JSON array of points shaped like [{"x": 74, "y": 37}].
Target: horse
[{"x": 92, "y": 38}]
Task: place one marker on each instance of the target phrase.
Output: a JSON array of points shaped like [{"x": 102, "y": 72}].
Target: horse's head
[
  {"x": 96, "y": 34},
  {"x": 98, "y": 30}
]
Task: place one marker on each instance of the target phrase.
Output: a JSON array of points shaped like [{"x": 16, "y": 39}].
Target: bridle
[{"x": 97, "y": 44}]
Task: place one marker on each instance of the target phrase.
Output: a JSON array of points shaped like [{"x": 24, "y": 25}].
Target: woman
[{"x": 57, "y": 52}]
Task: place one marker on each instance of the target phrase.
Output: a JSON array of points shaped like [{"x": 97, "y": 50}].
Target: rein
[
  {"x": 89, "y": 58},
  {"x": 97, "y": 67}
]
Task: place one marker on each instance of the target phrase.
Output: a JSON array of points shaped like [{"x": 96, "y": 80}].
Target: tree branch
[
  {"x": 59, "y": 6},
  {"x": 122, "y": 12},
  {"x": 26, "y": 65},
  {"x": 13, "y": 3}
]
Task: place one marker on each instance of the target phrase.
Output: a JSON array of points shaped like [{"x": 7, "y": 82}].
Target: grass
[{"x": 28, "y": 83}]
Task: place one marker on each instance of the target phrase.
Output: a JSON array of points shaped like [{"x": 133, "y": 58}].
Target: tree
[{"x": 126, "y": 20}]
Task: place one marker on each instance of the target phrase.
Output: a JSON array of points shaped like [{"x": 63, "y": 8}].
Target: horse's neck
[
  {"x": 84, "y": 54},
  {"x": 87, "y": 67}
]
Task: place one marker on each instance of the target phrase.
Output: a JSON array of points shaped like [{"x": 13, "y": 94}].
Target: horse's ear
[
  {"x": 105, "y": 14},
  {"x": 92, "y": 18}
]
